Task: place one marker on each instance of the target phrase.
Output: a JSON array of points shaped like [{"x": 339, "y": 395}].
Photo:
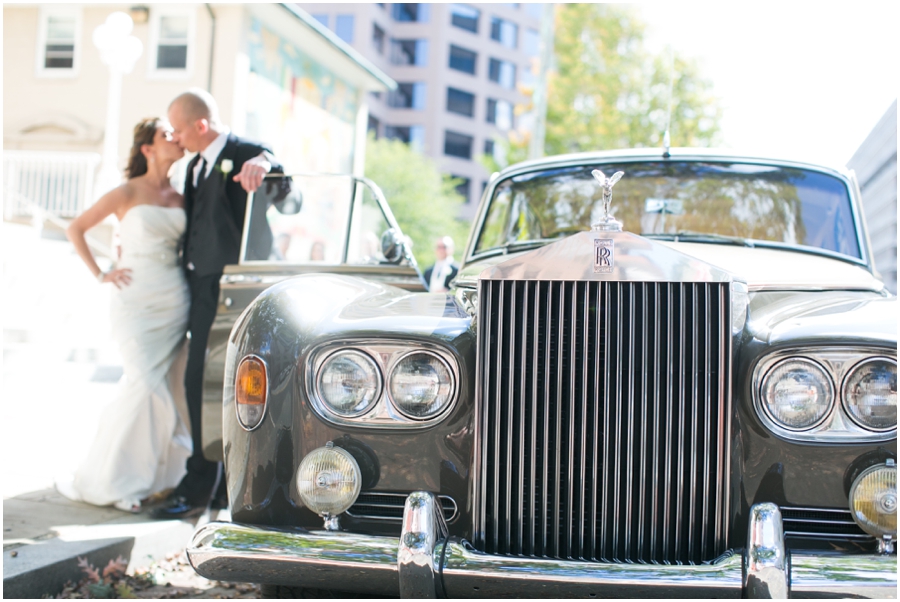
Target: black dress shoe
[{"x": 177, "y": 506}]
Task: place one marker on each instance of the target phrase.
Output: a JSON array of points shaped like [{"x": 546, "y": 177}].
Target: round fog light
[
  {"x": 328, "y": 480},
  {"x": 873, "y": 501}
]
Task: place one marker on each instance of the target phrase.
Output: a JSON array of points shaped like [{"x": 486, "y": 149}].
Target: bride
[{"x": 143, "y": 438}]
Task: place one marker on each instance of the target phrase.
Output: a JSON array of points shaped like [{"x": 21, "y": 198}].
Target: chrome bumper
[{"x": 425, "y": 564}]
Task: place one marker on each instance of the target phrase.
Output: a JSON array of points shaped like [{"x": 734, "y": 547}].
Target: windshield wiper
[{"x": 700, "y": 237}]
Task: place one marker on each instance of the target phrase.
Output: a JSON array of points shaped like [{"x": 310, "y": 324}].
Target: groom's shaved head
[
  {"x": 194, "y": 116},
  {"x": 196, "y": 104}
]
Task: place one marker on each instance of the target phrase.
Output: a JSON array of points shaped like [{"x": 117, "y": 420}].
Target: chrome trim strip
[
  {"x": 478, "y": 488},
  {"x": 265, "y": 404},
  {"x": 843, "y": 576},
  {"x": 243, "y": 553},
  {"x": 422, "y": 528},
  {"x": 369, "y": 564},
  {"x": 766, "y": 563},
  {"x": 837, "y": 426},
  {"x": 468, "y": 573}
]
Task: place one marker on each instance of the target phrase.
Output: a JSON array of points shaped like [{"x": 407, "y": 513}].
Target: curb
[{"x": 44, "y": 567}]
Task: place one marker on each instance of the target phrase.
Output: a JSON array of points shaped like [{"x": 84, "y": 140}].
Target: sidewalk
[{"x": 60, "y": 368}]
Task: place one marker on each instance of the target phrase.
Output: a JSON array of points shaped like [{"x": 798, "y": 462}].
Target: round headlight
[
  {"x": 870, "y": 394},
  {"x": 873, "y": 501},
  {"x": 349, "y": 383},
  {"x": 421, "y": 385},
  {"x": 797, "y": 394},
  {"x": 328, "y": 480}
]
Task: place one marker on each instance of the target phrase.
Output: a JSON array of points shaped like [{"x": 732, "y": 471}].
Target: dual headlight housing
[
  {"x": 383, "y": 384},
  {"x": 828, "y": 394}
]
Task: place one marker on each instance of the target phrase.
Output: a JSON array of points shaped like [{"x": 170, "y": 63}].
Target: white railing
[{"x": 59, "y": 184}]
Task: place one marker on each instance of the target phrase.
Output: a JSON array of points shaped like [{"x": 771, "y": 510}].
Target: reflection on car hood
[
  {"x": 760, "y": 268},
  {"x": 775, "y": 269}
]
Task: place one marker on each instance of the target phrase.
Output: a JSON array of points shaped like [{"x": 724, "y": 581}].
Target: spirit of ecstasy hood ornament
[{"x": 607, "y": 222}]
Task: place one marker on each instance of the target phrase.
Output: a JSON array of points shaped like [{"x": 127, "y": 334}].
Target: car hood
[{"x": 760, "y": 268}]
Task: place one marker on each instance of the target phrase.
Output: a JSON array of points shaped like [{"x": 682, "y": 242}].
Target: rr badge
[{"x": 604, "y": 256}]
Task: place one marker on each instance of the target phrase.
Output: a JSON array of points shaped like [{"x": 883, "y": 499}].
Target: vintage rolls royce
[{"x": 658, "y": 374}]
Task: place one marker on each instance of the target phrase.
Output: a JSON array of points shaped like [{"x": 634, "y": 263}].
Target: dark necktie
[{"x": 202, "y": 176}]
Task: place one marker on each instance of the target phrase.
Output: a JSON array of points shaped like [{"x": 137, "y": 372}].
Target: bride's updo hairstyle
[{"x": 144, "y": 132}]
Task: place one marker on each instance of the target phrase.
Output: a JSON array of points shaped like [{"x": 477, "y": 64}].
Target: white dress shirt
[
  {"x": 439, "y": 273},
  {"x": 210, "y": 154}
]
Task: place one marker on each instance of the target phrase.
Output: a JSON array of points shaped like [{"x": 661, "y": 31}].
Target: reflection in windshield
[
  {"x": 315, "y": 219},
  {"x": 763, "y": 203}
]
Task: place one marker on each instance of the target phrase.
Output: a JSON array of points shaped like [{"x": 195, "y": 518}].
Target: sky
[{"x": 801, "y": 80}]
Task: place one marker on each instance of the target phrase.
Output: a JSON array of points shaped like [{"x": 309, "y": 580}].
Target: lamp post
[{"x": 119, "y": 50}]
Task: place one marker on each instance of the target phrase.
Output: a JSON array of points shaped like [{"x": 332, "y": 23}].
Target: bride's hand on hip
[{"x": 120, "y": 277}]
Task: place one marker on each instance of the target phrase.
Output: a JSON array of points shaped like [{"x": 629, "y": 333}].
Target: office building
[
  {"x": 461, "y": 70},
  {"x": 875, "y": 164}
]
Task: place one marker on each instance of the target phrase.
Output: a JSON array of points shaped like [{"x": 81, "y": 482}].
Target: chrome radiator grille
[{"x": 603, "y": 418}]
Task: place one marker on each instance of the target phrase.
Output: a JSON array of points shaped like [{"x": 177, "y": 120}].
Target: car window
[
  {"x": 368, "y": 224},
  {"x": 760, "y": 202},
  {"x": 303, "y": 219}
]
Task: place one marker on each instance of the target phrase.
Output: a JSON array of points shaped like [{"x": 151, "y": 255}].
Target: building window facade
[
  {"x": 500, "y": 113},
  {"x": 462, "y": 59},
  {"x": 408, "y": 96},
  {"x": 464, "y": 17},
  {"x": 378, "y": 38},
  {"x": 489, "y": 147},
  {"x": 460, "y": 102},
  {"x": 414, "y": 13},
  {"x": 373, "y": 126},
  {"x": 409, "y": 52},
  {"x": 505, "y": 32},
  {"x": 457, "y": 145},
  {"x": 413, "y": 135},
  {"x": 343, "y": 27},
  {"x": 502, "y": 72},
  {"x": 171, "y": 43},
  {"x": 531, "y": 42},
  {"x": 323, "y": 19},
  {"x": 58, "y": 48}
]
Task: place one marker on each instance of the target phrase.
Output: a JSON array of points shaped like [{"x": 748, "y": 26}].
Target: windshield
[
  {"x": 314, "y": 219},
  {"x": 664, "y": 198}
]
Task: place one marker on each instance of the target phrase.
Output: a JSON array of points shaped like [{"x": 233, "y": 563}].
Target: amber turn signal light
[{"x": 251, "y": 391}]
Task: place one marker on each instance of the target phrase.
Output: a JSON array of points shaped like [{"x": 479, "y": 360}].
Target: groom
[{"x": 218, "y": 179}]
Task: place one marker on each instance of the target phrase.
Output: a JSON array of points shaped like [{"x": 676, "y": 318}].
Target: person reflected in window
[
  {"x": 444, "y": 269},
  {"x": 317, "y": 252}
]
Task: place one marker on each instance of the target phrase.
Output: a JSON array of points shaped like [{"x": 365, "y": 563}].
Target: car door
[{"x": 298, "y": 224}]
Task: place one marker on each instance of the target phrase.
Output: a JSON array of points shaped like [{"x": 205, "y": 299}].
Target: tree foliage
[
  {"x": 607, "y": 91},
  {"x": 423, "y": 200}
]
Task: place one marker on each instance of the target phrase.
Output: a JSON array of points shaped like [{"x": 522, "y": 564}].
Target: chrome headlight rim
[
  {"x": 845, "y": 405},
  {"x": 379, "y": 387},
  {"x": 838, "y": 359},
  {"x": 451, "y": 398},
  {"x": 385, "y": 351},
  {"x": 828, "y": 379}
]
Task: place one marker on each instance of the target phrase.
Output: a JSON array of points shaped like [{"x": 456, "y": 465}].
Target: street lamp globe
[{"x": 119, "y": 50}]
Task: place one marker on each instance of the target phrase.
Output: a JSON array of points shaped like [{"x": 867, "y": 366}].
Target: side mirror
[{"x": 392, "y": 246}]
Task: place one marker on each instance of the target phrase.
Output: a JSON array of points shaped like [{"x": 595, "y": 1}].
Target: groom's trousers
[{"x": 197, "y": 484}]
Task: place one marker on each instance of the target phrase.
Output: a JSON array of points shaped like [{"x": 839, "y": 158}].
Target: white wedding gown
[{"x": 143, "y": 439}]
